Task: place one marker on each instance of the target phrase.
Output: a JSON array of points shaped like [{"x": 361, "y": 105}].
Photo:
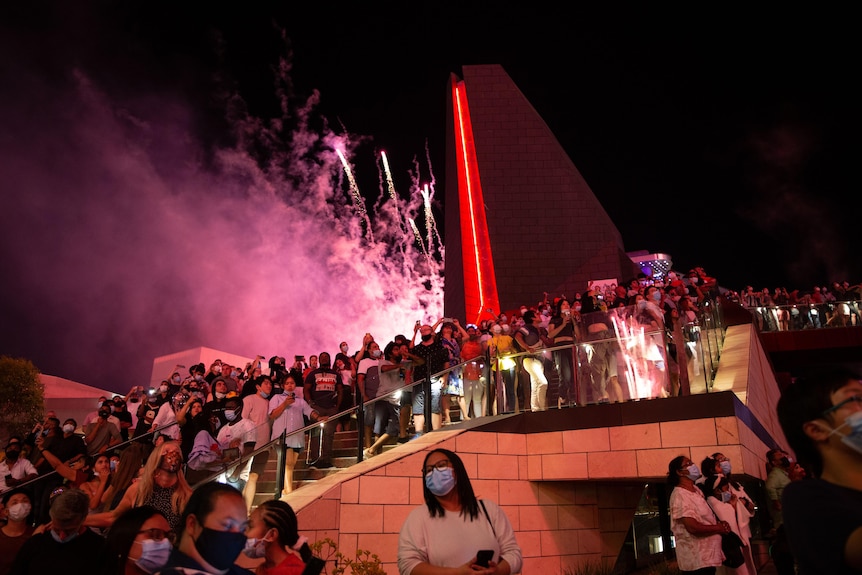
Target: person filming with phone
[{"x": 454, "y": 532}]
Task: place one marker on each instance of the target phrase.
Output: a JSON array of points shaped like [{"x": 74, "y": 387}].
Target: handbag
[{"x": 731, "y": 545}]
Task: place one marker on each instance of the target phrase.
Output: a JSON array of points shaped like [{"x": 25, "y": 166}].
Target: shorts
[
  {"x": 386, "y": 417},
  {"x": 406, "y": 397},
  {"x": 419, "y": 398}
]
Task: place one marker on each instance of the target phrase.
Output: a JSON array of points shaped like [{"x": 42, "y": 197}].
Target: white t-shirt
[
  {"x": 19, "y": 470},
  {"x": 165, "y": 416},
  {"x": 452, "y": 540},
  {"x": 242, "y": 430}
]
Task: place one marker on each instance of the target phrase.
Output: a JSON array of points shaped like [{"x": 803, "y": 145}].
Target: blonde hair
[{"x": 182, "y": 490}]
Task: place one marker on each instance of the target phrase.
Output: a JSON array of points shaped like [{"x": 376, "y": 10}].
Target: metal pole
[
  {"x": 360, "y": 425},
  {"x": 279, "y": 467}
]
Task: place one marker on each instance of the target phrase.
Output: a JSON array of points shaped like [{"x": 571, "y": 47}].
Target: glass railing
[
  {"x": 634, "y": 359},
  {"x": 798, "y": 317}
]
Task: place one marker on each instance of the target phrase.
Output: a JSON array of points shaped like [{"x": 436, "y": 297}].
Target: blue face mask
[
  {"x": 725, "y": 496},
  {"x": 58, "y": 539},
  {"x": 725, "y": 467},
  {"x": 656, "y": 295},
  {"x": 154, "y": 555},
  {"x": 853, "y": 440},
  {"x": 693, "y": 472},
  {"x": 264, "y": 395},
  {"x": 440, "y": 481}
]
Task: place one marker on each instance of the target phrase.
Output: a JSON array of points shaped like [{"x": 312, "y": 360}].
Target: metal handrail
[{"x": 107, "y": 451}]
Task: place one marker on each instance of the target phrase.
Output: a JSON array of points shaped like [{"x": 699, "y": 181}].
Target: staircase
[{"x": 344, "y": 451}]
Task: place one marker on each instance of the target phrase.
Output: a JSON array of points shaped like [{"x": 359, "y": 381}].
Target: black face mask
[
  {"x": 12, "y": 454},
  {"x": 427, "y": 336},
  {"x": 784, "y": 462},
  {"x": 220, "y": 548}
]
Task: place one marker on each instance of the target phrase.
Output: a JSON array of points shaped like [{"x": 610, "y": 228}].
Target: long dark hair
[
  {"x": 120, "y": 537},
  {"x": 469, "y": 503},
  {"x": 672, "y": 468},
  {"x": 131, "y": 460}
]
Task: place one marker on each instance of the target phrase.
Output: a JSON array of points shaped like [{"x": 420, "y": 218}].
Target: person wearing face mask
[
  {"x": 695, "y": 528},
  {"x": 384, "y": 415},
  {"x": 68, "y": 547},
  {"x": 453, "y": 525},
  {"x": 15, "y": 469},
  {"x": 435, "y": 357},
  {"x": 138, "y": 543},
  {"x": 18, "y": 529},
  {"x": 724, "y": 503},
  {"x": 147, "y": 411},
  {"x": 215, "y": 400},
  {"x": 211, "y": 534},
  {"x": 166, "y": 419},
  {"x": 239, "y": 433},
  {"x": 274, "y": 537},
  {"x": 162, "y": 484},
  {"x": 118, "y": 410},
  {"x": 256, "y": 410},
  {"x": 821, "y": 416},
  {"x": 721, "y": 465},
  {"x": 367, "y": 383},
  {"x": 288, "y": 413}
]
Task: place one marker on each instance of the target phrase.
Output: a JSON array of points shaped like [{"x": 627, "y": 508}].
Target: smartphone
[
  {"x": 231, "y": 453},
  {"x": 484, "y": 556}
]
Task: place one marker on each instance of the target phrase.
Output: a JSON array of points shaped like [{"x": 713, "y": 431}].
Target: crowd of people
[{"x": 147, "y": 448}]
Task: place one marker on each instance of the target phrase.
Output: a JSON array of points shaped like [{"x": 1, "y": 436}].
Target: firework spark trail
[
  {"x": 390, "y": 187},
  {"x": 418, "y": 236},
  {"x": 358, "y": 200},
  {"x": 275, "y": 234}
]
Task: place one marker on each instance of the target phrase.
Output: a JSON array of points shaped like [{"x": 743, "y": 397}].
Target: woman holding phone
[{"x": 454, "y": 529}]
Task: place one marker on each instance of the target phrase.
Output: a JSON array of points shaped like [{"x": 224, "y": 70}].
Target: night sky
[{"x": 156, "y": 196}]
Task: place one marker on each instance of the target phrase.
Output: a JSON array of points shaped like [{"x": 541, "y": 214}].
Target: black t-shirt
[
  {"x": 436, "y": 358},
  {"x": 124, "y": 416},
  {"x": 819, "y": 517},
  {"x": 69, "y": 447},
  {"x": 42, "y": 554}
]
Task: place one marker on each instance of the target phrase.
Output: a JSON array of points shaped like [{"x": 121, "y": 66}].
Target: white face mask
[
  {"x": 19, "y": 511},
  {"x": 255, "y": 548},
  {"x": 68, "y": 428}
]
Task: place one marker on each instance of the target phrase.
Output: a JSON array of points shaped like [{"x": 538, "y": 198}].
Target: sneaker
[
  {"x": 322, "y": 464},
  {"x": 404, "y": 439}
]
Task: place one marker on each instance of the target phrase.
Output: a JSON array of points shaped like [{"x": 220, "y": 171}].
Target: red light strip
[{"x": 479, "y": 277}]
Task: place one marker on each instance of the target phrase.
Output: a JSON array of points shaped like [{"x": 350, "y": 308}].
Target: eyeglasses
[
  {"x": 442, "y": 464},
  {"x": 852, "y": 399},
  {"x": 157, "y": 534}
]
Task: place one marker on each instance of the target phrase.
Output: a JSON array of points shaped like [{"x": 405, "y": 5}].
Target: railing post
[
  {"x": 681, "y": 357},
  {"x": 426, "y": 386},
  {"x": 279, "y": 467},
  {"x": 360, "y": 426}
]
